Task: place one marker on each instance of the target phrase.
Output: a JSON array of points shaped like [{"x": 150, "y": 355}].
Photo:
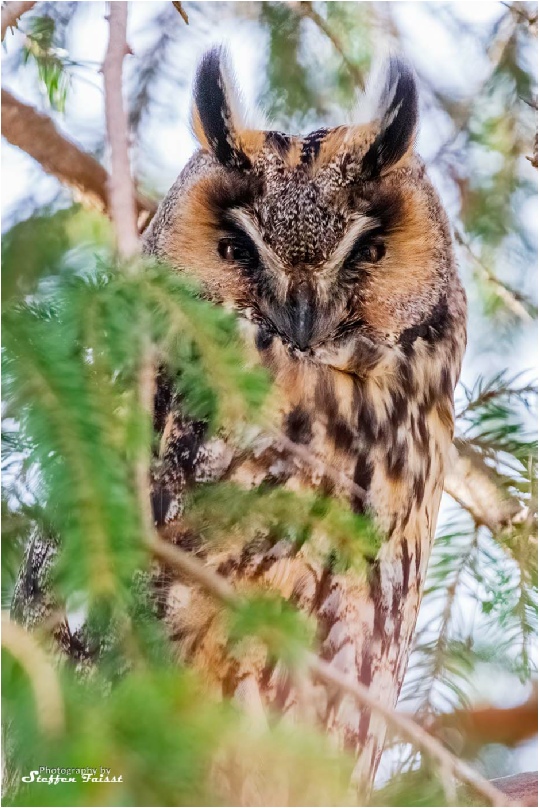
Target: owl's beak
[{"x": 301, "y": 317}]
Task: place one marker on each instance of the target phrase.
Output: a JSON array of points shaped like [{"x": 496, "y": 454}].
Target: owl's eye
[
  {"x": 365, "y": 252},
  {"x": 370, "y": 253},
  {"x": 235, "y": 252}
]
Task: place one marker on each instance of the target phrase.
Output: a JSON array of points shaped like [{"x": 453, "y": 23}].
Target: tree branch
[
  {"x": 36, "y": 134},
  {"x": 11, "y": 12},
  {"x": 122, "y": 210},
  {"x": 405, "y": 726},
  {"x": 489, "y": 724},
  {"x": 522, "y": 788},
  {"x": 474, "y": 485},
  {"x": 120, "y": 186}
]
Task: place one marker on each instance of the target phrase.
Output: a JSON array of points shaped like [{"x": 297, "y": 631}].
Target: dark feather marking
[
  {"x": 183, "y": 448},
  {"x": 446, "y": 383},
  {"x": 350, "y": 740},
  {"x": 363, "y": 728},
  {"x": 282, "y": 693},
  {"x": 399, "y": 120},
  {"x": 279, "y": 142},
  {"x": 298, "y": 425},
  {"x": 162, "y": 400},
  {"x": 265, "y": 677},
  {"x": 406, "y": 562},
  {"x": 368, "y": 422},
  {"x": 362, "y": 477},
  {"x": 327, "y": 486},
  {"x": 386, "y": 207},
  {"x": 324, "y": 396},
  {"x": 432, "y": 329},
  {"x": 161, "y": 500},
  {"x": 264, "y": 338},
  {"x": 406, "y": 373},
  {"x": 311, "y": 145},
  {"x": 214, "y": 111},
  {"x": 419, "y": 489},
  {"x": 400, "y": 408},
  {"x": 404, "y": 519},
  {"x": 227, "y": 567},
  {"x": 341, "y": 434},
  {"x": 396, "y": 460},
  {"x": 365, "y": 677},
  {"x": 423, "y": 431},
  {"x": 232, "y": 191},
  {"x": 321, "y": 593}
]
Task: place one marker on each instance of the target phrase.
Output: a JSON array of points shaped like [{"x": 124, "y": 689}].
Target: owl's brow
[
  {"x": 248, "y": 225},
  {"x": 361, "y": 225}
]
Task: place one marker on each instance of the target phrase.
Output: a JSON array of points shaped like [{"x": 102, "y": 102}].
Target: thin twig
[
  {"x": 183, "y": 13},
  {"x": 438, "y": 661},
  {"x": 220, "y": 588},
  {"x": 306, "y": 9},
  {"x": 41, "y": 674},
  {"x": 411, "y": 731},
  {"x": 514, "y": 301},
  {"x": 533, "y": 157},
  {"x": 318, "y": 464},
  {"x": 468, "y": 480},
  {"x": 11, "y": 13},
  {"x": 36, "y": 134},
  {"x": 194, "y": 568},
  {"x": 121, "y": 194}
]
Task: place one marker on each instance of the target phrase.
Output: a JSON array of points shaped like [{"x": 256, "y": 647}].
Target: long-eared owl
[{"x": 336, "y": 254}]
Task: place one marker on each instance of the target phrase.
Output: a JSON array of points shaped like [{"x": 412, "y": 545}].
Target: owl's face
[{"x": 320, "y": 241}]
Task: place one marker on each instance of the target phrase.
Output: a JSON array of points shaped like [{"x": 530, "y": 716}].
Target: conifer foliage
[{"x": 79, "y": 325}]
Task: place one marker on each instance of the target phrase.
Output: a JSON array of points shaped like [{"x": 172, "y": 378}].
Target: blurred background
[{"x": 302, "y": 65}]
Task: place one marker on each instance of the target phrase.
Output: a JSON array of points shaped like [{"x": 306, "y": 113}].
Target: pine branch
[
  {"x": 41, "y": 674},
  {"x": 501, "y": 386},
  {"x": 36, "y": 134},
  {"x": 516, "y": 302},
  {"x": 405, "y": 726},
  {"x": 304, "y": 8},
  {"x": 438, "y": 661},
  {"x": 151, "y": 64},
  {"x": 12, "y": 12}
]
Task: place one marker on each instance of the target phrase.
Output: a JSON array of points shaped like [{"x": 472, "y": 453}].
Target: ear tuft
[
  {"x": 397, "y": 111},
  {"x": 216, "y": 117}
]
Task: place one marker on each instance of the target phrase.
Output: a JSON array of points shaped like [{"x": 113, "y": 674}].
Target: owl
[{"x": 336, "y": 254}]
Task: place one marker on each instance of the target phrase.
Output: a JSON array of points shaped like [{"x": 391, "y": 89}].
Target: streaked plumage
[{"x": 336, "y": 252}]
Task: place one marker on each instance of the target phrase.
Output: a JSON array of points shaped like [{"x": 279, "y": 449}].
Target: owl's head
[{"x": 320, "y": 239}]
